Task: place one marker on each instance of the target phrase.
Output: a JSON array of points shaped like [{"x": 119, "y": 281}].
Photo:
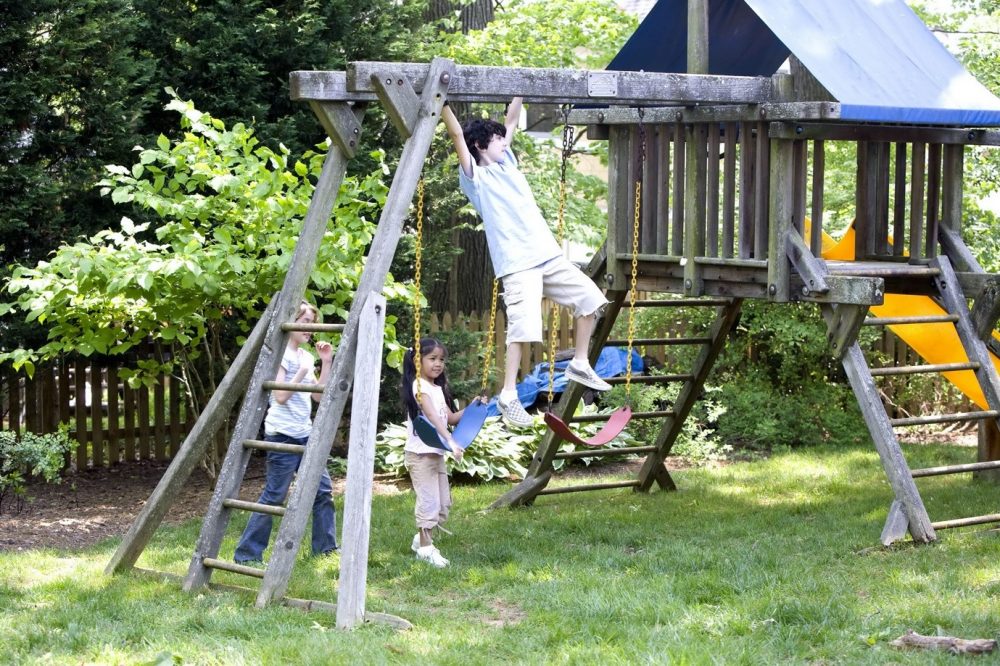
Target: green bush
[{"x": 31, "y": 455}]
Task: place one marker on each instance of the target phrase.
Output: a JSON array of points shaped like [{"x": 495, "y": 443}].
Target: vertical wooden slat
[
  {"x": 65, "y": 392},
  {"x": 143, "y": 404},
  {"x": 159, "y": 420},
  {"x": 761, "y": 205},
  {"x": 819, "y": 169},
  {"x": 933, "y": 199},
  {"x": 131, "y": 434},
  {"x": 799, "y": 178},
  {"x": 951, "y": 185},
  {"x": 114, "y": 433},
  {"x": 882, "y": 199},
  {"x": 663, "y": 189},
  {"x": 747, "y": 186},
  {"x": 49, "y": 399},
  {"x": 175, "y": 414},
  {"x": 677, "y": 224},
  {"x": 620, "y": 197},
  {"x": 712, "y": 192},
  {"x": 80, "y": 396},
  {"x": 96, "y": 417},
  {"x": 729, "y": 190},
  {"x": 650, "y": 177},
  {"x": 899, "y": 202},
  {"x": 917, "y": 202}
]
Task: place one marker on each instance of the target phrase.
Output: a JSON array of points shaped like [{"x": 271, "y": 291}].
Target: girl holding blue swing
[{"x": 425, "y": 394}]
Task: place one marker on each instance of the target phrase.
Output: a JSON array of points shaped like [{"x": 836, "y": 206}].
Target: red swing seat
[{"x": 612, "y": 428}]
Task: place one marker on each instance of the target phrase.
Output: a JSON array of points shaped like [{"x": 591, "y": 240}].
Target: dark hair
[
  {"x": 478, "y": 134},
  {"x": 427, "y": 345}
]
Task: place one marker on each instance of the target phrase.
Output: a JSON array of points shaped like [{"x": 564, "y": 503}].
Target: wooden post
[
  {"x": 620, "y": 202},
  {"x": 782, "y": 205},
  {"x": 819, "y": 168},
  {"x": 694, "y": 208},
  {"x": 989, "y": 449},
  {"x": 951, "y": 191},
  {"x": 698, "y": 38},
  {"x": 361, "y": 466}
]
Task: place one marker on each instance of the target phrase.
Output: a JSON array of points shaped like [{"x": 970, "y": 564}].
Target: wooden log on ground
[{"x": 912, "y": 639}]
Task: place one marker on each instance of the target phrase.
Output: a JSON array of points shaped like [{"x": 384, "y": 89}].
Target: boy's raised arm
[
  {"x": 513, "y": 118},
  {"x": 458, "y": 138}
]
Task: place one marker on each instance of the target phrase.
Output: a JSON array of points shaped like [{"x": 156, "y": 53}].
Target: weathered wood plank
[
  {"x": 697, "y": 36},
  {"x": 988, "y": 449},
  {"x": 819, "y": 172},
  {"x": 694, "y": 205},
  {"x": 933, "y": 200},
  {"x": 849, "y": 132},
  {"x": 986, "y": 309},
  {"x": 554, "y": 86},
  {"x": 917, "y": 184},
  {"x": 893, "y": 462},
  {"x": 762, "y": 209},
  {"x": 809, "y": 268},
  {"x": 114, "y": 437},
  {"x": 398, "y": 99},
  {"x": 747, "y": 185},
  {"x": 843, "y": 323},
  {"x": 96, "y": 415},
  {"x": 620, "y": 201},
  {"x": 361, "y": 466},
  {"x": 951, "y": 187},
  {"x": 712, "y": 193},
  {"x": 729, "y": 190},
  {"x": 899, "y": 202},
  {"x": 662, "y": 189},
  {"x": 781, "y": 211},
  {"x": 341, "y": 123},
  {"x": 776, "y": 111},
  {"x": 680, "y": 178}
]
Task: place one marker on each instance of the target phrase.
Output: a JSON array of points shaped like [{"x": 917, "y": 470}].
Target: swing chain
[
  {"x": 568, "y": 134},
  {"x": 637, "y": 215},
  {"x": 488, "y": 353},
  {"x": 418, "y": 256}
]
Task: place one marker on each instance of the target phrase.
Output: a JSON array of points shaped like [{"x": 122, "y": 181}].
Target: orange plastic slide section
[{"x": 935, "y": 343}]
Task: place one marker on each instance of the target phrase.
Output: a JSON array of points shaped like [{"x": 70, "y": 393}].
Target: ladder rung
[
  {"x": 287, "y": 386},
  {"x": 592, "y": 486},
  {"x": 679, "y": 302},
  {"x": 917, "y": 369},
  {"x": 595, "y": 418},
  {"x": 944, "y": 418},
  {"x": 280, "y": 447},
  {"x": 955, "y": 469},
  {"x": 924, "y": 319},
  {"x": 313, "y": 328},
  {"x": 659, "y": 341},
  {"x": 598, "y": 453},
  {"x": 256, "y": 507},
  {"x": 213, "y": 563},
  {"x": 964, "y": 522},
  {"x": 651, "y": 379}
]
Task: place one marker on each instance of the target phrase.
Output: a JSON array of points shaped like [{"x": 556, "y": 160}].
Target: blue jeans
[{"x": 281, "y": 468}]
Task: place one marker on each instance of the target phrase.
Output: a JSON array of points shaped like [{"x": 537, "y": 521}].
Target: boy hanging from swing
[{"x": 524, "y": 252}]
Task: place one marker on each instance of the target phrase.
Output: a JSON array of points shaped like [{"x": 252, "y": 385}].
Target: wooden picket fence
[{"x": 112, "y": 421}]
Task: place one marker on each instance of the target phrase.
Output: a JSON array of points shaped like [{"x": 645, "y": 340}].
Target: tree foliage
[{"x": 227, "y": 211}]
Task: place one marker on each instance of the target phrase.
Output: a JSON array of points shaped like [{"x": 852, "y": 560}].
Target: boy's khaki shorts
[{"x": 556, "y": 279}]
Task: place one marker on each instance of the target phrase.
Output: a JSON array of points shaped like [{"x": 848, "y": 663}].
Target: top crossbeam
[{"x": 474, "y": 83}]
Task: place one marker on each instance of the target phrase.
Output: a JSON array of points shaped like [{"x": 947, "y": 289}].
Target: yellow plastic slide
[{"x": 935, "y": 343}]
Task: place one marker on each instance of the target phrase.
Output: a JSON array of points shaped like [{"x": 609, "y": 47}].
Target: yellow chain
[
  {"x": 554, "y": 316},
  {"x": 488, "y": 355},
  {"x": 632, "y": 290},
  {"x": 418, "y": 255}
]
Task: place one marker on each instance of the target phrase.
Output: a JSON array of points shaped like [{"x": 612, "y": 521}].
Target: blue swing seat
[{"x": 465, "y": 431}]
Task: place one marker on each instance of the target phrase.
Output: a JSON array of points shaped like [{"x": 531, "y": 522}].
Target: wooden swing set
[{"x": 724, "y": 163}]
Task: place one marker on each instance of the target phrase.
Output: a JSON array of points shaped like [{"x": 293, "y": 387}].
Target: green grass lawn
[{"x": 766, "y": 562}]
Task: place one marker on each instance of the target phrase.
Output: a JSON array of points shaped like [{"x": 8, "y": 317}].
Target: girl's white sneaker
[{"x": 432, "y": 556}]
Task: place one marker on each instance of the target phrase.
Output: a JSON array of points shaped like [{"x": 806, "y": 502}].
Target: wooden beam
[
  {"x": 986, "y": 309},
  {"x": 398, "y": 98},
  {"x": 808, "y": 266},
  {"x": 851, "y": 132},
  {"x": 697, "y": 36},
  {"x": 555, "y": 86},
  {"x": 843, "y": 324},
  {"x": 342, "y": 124},
  {"x": 780, "y": 214},
  {"x": 775, "y": 111}
]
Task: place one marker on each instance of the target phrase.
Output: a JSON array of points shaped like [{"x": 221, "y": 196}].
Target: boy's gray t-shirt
[{"x": 516, "y": 232}]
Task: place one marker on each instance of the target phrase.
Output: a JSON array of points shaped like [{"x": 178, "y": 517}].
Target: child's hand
[
  {"x": 325, "y": 351},
  {"x": 456, "y": 451}
]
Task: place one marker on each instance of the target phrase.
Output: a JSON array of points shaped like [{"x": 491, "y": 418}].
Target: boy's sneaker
[
  {"x": 415, "y": 544},
  {"x": 587, "y": 377},
  {"x": 432, "y": 556},
  {"x": 513, "y": 413}
]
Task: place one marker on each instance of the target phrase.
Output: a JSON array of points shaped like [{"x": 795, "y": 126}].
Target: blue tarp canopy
[{"x": 875, "y": 57}]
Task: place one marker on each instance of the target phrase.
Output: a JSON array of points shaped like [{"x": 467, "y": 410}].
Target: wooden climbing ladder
[
  {"x": 358, "y": 354},
  {"x": 907, "y": 512}
]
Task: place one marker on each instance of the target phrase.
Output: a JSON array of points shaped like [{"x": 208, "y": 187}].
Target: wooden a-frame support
[{"x": 417, "y": 119}]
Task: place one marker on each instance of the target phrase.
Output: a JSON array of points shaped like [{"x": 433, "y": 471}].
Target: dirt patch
[{"x": 99, "y": 503}]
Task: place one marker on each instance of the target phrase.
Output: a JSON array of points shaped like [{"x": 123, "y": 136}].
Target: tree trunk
[
  {"x": 468, "y": 285},
  {"x": 474, "y": 15}
]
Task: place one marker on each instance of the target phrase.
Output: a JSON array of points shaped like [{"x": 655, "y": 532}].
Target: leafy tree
[{"x": 227, "y": 210}]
